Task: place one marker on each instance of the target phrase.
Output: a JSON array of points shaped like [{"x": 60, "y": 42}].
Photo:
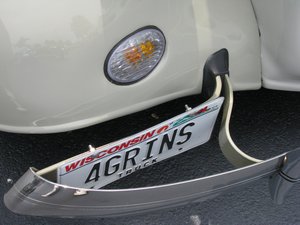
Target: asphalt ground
[{"x": 265, "y": 123}]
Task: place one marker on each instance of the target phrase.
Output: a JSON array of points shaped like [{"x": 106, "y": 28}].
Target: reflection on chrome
[{"x": 195, "y": 220}]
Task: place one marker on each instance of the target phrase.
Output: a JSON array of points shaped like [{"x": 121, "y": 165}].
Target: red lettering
[
  {"x": 113, "y": 150},
  {"x": 73, "y": 166},
  {"x": 203, "y": 110},
  {"x": 82, "y": 162},
  {"x": 162, "y": 129},
  {"x": 101, "y": 154},
  {"x": 148, "y": 135},
  {"x": 134, "y": 141},
  {"x": 142, "y": 137},
  {"x": 124, "y": 145},
  {"x": 89, "y": 159}
]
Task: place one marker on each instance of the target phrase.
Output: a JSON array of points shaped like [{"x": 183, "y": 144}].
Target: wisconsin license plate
[{"x": 108, "y": 163}]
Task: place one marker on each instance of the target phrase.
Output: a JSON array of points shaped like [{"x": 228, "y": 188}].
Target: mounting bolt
[
  {"x": 187, "y": 108},
  {"x": 155, "y": 116},
  {"x": 9, "y": 181},
  {"x": 91, "y": 148}
]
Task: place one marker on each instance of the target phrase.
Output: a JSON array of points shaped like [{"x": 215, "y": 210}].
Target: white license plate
[{"x": 113, "y": 161}]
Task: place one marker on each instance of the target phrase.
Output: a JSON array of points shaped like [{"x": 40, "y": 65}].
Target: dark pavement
[{"x": 265, "y": 123}]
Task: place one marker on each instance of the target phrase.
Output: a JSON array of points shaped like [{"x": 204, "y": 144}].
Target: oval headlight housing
[{"x": 135, "y": 56}]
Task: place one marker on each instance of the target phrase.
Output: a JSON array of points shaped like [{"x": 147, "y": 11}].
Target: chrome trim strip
[
  {"x": 28, "y": 195},
  {"x": 234, "y": 155}
]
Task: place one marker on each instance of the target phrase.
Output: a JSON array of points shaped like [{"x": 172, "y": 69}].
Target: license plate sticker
[{"x": 108, "y": 163}]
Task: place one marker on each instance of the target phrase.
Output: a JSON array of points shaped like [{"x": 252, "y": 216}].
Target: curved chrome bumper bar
[{"x": 28, "y": 194}]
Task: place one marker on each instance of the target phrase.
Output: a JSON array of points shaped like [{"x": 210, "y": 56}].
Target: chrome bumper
[{"x": 30, "y": 195}]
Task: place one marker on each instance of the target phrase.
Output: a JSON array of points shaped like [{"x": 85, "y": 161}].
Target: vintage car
[{"x": 70, "y": 64}]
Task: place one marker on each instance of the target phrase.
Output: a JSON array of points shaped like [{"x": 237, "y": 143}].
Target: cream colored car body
[{"x": 52, "y": 56}]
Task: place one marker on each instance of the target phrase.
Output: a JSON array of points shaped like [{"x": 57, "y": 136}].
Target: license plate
[{"x": 108, "y": 163}]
